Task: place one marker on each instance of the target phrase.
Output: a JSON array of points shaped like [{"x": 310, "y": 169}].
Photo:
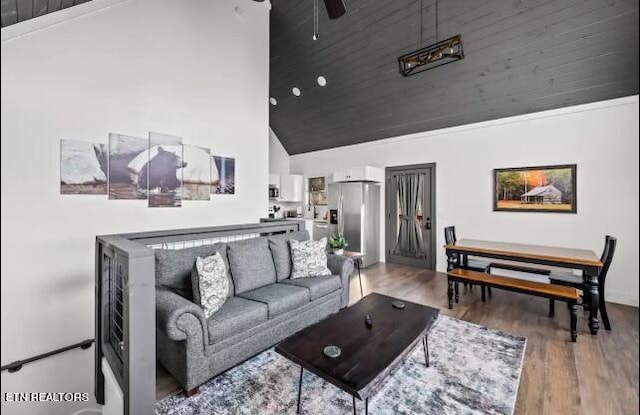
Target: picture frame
[
  {"x": 544, "y": 189},
  {"x": 83, "y": 167},
  {"x": 317, "y": 184},
  {"x": 224, "y": 175},
  {"x": 317, "y": 191}
]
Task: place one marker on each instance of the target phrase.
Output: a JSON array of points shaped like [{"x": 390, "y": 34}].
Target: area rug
[{"x": 474, "y": 370}]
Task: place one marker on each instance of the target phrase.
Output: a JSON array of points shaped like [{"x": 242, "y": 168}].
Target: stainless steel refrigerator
[{"x": 357, "y": 205}]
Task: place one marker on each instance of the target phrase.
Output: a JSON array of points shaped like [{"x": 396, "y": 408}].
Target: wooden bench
[{"x": 569, "y": 295}]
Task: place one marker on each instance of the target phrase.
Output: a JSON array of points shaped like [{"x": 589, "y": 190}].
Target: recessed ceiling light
[
  {"x": 322, "y": 81},
  {"x": 273, "y": 101},
  {"x": 296, "y": 91}
]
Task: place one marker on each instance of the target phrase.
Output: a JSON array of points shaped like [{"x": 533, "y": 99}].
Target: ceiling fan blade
[{"x": 335, "y": 8}]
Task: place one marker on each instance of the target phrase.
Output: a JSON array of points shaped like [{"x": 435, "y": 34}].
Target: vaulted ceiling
[
  {"x": 521, "y": 56},
  {"x": 15, "y": 11}
]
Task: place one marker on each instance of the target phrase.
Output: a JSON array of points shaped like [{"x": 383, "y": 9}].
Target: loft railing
[
  {"x": 125, "y": 302},
  {"x": 125, "y": 320}
]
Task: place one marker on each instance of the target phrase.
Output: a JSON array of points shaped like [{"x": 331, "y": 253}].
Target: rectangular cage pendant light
[{"x": 432, "y": 56}]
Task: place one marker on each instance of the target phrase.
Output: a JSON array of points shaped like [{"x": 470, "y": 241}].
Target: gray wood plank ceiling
[
  {"x": 15, "y": 11},
  {"x": 521, "y": 56}
]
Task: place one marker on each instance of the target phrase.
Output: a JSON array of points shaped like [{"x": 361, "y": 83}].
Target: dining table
[{"x": 570, "y": 258}]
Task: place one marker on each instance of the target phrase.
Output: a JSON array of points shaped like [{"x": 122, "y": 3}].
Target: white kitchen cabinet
[
  {"x": 291, "y": 188},
  {"x": 359, "y": 174},
  {"x": 274, "y": 180},
  {"x": 339, "y": 176}
]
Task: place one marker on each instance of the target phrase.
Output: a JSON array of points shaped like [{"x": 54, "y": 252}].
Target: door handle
[{"x": 427, "y": 224}]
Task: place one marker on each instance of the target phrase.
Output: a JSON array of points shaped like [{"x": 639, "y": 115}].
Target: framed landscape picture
[{"x": 535, "y": 189}]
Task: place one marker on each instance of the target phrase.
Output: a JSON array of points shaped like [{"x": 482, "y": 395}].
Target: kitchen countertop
[
  {"x": 281, "y": 219},
  {"x": 315, "y": 220}
]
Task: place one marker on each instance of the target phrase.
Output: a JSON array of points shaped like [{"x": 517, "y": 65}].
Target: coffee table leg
[
  {"x": 366, "y": 406},
  {"x": 425, "y": 344},
  {"x": 360, "y": 278},
  {"x": 299, "y": 389}
]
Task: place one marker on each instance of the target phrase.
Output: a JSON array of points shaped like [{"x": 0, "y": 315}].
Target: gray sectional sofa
[{"x": 263, "y": 307}]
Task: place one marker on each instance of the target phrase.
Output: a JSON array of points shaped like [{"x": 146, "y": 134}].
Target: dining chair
[
  {"x": 462, "y": 259},
  {"x": 450, "y": 239},
  {"x": 450, "y": 235},
  {"x": 606, "y": 258}
]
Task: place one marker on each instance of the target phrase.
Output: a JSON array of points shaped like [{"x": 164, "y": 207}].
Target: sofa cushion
[
  {"x": 173, "y": 267},
  {"x": 210, "y": 283},
  {"x": 235, "y": 316},
  {"x": 317, "y": 286},
  {"x": 308, "y": 258},
  {"x": 279, "y": 298},
  {"x": 251, "y": 264},
  {"x": 281, "y": 252}
]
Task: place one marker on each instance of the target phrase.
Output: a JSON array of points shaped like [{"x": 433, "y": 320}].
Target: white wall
[
  {"x": 279, "y": 160},
  {"x": 279, "y": 163},
  {"x": 194, "y": 69},
  {"x": 602, "y": 138}
]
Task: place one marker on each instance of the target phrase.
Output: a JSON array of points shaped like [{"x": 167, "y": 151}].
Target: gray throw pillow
[
  {"x": 210, "y": 283},
  {"x": 308, "y": 258}
]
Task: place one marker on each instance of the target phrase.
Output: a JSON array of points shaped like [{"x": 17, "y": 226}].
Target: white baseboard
[{"x": 622, "y": 297}]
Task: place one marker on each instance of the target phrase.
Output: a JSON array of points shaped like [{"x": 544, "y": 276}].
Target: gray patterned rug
[{"x": 474, "y": 370}]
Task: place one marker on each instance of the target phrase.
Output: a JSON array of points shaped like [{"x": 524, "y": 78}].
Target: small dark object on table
[
  {"x": 368, "y": 322},
  {"x": 398, "y": 304}
]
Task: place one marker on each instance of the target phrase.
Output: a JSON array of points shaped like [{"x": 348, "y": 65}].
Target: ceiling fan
[{"x": 335, "y": 8}]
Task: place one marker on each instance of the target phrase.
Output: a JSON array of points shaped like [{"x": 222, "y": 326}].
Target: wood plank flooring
[{"x": 597, "y": 375}]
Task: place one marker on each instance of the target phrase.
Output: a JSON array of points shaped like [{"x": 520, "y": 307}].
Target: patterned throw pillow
[
  {"x": 308, "y": 258},
  {"x": 210, "y": 283}
]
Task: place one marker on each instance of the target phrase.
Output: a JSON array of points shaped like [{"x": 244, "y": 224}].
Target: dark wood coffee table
[{"x": 367, "y": 355}]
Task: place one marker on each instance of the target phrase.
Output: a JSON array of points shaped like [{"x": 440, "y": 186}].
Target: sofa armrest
[
  {"x": 342, "y": 266},
  {"x": 178, "y": 317}
]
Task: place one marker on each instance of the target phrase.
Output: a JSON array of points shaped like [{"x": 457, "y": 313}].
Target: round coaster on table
[
  {"x": 332, "y": 351},
  {"x": 398, "y": 304}
]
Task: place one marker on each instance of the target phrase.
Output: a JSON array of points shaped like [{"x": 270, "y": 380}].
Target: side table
[{"x": 357, "y": 261}]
